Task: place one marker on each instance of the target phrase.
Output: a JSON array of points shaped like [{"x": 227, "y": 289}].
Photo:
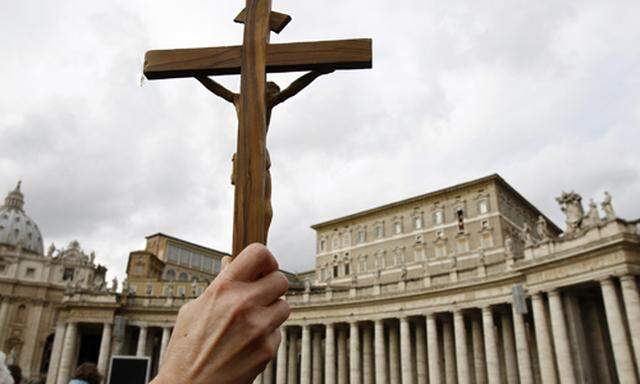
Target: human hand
[{"x": 230, "y": 332}]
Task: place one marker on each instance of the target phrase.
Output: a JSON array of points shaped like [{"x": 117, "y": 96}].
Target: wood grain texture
[
  {"x": 277, "y": 21},
  {"x": 251, "y": 156},
  {"x": 289, "y": 57}
]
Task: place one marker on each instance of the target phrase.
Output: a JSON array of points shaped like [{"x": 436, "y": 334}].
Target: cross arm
[{"x": 290, "y": 57}]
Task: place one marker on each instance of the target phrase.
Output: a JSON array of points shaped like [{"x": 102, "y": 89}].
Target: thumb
[{"x": 225, "y": 263}]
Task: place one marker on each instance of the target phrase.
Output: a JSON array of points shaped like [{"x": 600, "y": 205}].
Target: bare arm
[
  {"x": 217, "y": 88},
  {"x": 298, "y": 85}
]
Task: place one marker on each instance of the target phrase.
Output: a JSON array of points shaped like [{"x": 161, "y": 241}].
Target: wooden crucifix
[{"x": 253, "y": 60}]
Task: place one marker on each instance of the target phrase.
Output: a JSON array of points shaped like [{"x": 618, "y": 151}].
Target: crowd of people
[{"x": 86, "y": 373}]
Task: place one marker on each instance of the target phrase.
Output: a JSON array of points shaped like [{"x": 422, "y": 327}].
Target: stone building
[
  {"x": 32, "y": 284},
  {"x": 469, "y": 284}
]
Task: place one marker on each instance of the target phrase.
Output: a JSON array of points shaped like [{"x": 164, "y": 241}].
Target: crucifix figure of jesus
[
  {"x": 274, "y": 96},
  {"x": 257, "y": 98}
]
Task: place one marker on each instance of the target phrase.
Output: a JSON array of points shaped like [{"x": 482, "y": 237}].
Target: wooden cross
[{"x": 253, "y": 60}]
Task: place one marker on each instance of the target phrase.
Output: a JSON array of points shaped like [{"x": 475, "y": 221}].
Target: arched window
[
  {"x": 183, "y": 276},
  {"x": 21, "y": 314},
  {"x": 170, "y": 275}
]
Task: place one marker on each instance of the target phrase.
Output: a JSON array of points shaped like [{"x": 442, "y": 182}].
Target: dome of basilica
[{"x": 16, "y": 228}]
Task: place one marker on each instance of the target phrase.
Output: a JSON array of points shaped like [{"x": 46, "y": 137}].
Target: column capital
[
  {"x": 608, "y": 280},
  {"x": 627, "y": 277},
  {"x": 553, "y": 292}
]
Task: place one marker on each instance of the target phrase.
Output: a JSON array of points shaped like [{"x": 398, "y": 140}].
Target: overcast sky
[{"x": 545, "y": 93}]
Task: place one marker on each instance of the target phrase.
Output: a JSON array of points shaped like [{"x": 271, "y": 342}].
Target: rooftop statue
[
  {"x": 543, "y": 229},
  {"x": 571, "y": 205},
  {"x": 593, "y": 217},
  {"x": 607, "y": 207},
  {"x": 526, "y": 235}
]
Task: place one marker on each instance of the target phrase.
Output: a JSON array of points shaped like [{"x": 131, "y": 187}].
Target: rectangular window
[
  {"x": 397, "y": 227},
  {"x": 323, "y": 245},
  {"x": 346, "y": 269},
  {"x": 335, "y": 271},
  {"x": 139, "y": 269},
  {"x": 438, "y": 217},
  {"x": 207, "y": 263},
  {"x": 181, "y": 291},
  {"x": 361, "y": 236},
  {"x": 417, "y": 222},
  {"x": 379, "y": 232},
  {"x": 216, "y": 265},
  {"x": 3, "y": 269},
  {"x": 30, "y": 272},
  {"x": 196, "y": 261},
  {"x": 460, "y": 214},
  {"x": 67, "y": 274},
  {"x": 483, "y": 207},
  {"x": 441, "y": 251},
  {"x": 185, "y": 256},
  {"x": 172, "y": 254}
]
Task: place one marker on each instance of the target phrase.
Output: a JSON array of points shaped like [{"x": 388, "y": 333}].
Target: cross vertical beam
[{"x": 249, "y": 208}]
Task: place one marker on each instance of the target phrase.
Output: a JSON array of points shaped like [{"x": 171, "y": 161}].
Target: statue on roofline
[
  {"x": 571, "y": 205},
  {"x": 543, "y": 229},
  {"x": 593, "y": 217},
  {"x": 607, "y": 207}
]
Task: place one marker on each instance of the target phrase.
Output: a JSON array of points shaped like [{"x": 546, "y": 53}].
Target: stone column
[
  {"x": 394, "y": 368},
  {"x": 105, "y": 349},
  {"x": 449, "y": 353},
  {"x": 4, "y": 312},
  {"x": 281, "y": 363},
  {"x": 511, "y": 364},
  {"x": 330, "y": 355},
  {"x": 405, "y": 351},
  {"x": 68, "y": 353},
  {"x": 31, "y": 338},
  {"x": 56, "y": 350},
  {"x": 343, "y": 364},
  {"x": 305, "y": 358},
  {"x": 478, "y": 351},
  {"x": 462, "y": 354},
  {"x": 543, "y": 340},
  {"x": 619, "y": 342},
  {"x": 491, "y": 346},
  {"x": 561, "y": 339},
  {"x": 164, "y": 343},
  {"x": 141, "y": 350},
  {"x": 292, "y": 360},
  {"x": 632, "y": 306},
  {"x": 380, "y": 352},
  {"x": 354, "y": 353},
  {"x": 421, "y": 354},
  {"x": 267, "y": 375},
  {"x": 367, "y": 356},
  {"x": 433, "y": 349},
  {"x": 522, "y": 347},
  {"x": 316, "y": 351}
]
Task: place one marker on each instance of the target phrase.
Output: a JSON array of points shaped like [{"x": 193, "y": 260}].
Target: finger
[
  {"x": 224, "y": 263},
  {"x": 276, "y": 314},
  {"x": 269, "y": 288},
  {"x": 252, "y": 263}
]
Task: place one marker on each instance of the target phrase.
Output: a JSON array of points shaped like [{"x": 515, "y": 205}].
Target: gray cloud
[{"x": 544, "y": 93}]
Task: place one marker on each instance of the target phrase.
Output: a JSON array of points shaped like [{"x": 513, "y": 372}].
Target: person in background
[
  {"x": 86, "y": 373},
  {"x": 5, "y": 375},
  {"x": 16, "y": 373}
]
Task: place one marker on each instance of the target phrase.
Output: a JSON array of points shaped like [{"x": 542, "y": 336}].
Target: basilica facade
[{"x": 468, "y": 284}]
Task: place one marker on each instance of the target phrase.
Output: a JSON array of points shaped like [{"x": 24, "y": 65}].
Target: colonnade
[
  {"x": 488, "y": 343},
  {"x": 66, "y": 342}
]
